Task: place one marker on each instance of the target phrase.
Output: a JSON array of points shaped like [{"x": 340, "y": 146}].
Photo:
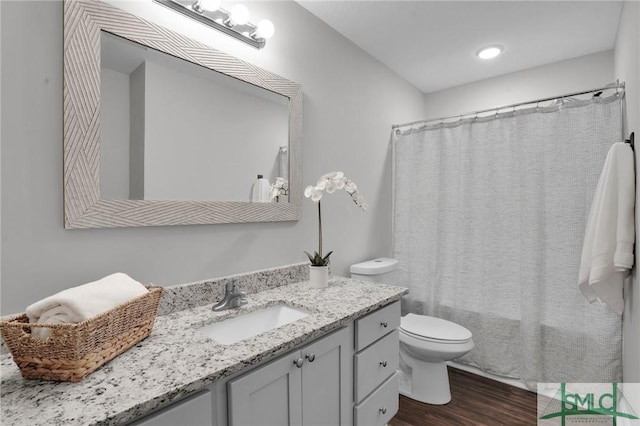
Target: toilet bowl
[{"x": 426, "y": 343}]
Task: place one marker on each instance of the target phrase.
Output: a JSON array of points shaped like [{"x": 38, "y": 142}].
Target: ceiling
[{"x": 432, "y": 44}]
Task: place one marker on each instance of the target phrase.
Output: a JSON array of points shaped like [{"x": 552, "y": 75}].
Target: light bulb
[
  {"x": 265, "y": 29},
  {"x": 239, "y": 14},
  {"x": 210, "y": 5},
  {"x": 202, "y": 5},
  {"x": 489, "y": 52}
]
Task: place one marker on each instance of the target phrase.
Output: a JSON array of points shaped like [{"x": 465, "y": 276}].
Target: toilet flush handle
[
  {"x": 384, "y": 324},
  {"x": 383, "y": 363}
]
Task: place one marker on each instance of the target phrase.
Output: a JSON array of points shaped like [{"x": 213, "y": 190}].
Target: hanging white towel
[
  {"x": 80, "y": 303},
  {"x": 607, "y": 253}
]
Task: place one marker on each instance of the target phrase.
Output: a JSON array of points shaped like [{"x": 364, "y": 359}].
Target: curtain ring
[
  {"x": 538, "y": 106},
  {"x": 476, "y": 117}
]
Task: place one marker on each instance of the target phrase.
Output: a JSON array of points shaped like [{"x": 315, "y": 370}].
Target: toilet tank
[{"x": 382, "y": 270}]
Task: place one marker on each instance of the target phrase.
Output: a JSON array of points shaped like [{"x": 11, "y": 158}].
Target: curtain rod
[{"x": 616, "y": 85}]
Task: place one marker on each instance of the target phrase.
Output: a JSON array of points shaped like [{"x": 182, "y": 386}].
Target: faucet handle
[
  {"x": 231, "y": 287},
  {"x": 238, "y": 301}
]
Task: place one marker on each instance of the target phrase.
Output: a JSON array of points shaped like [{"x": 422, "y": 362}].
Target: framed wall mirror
[{"x": 162, "y": 130}]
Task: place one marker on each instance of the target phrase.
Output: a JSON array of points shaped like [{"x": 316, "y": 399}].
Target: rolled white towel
[{"x": 80, "y": 303}]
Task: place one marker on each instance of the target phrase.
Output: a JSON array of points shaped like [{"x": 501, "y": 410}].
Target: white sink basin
[{"x": 252, "y": 323}]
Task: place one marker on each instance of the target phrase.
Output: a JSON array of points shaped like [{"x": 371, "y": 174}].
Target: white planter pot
[{"x": 319, "y": 276}]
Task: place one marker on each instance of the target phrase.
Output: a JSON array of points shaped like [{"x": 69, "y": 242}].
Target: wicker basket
[{"x": 74, "y": 350}]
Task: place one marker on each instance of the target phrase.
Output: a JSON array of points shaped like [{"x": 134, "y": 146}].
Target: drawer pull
[
  {"x": 311, "y": 357},
  {"x": 383, "y": 363},
  {"x": 298, "y": 362},
  {"x": 384, "y": 324},
  {"x": 383, "y": 410}
]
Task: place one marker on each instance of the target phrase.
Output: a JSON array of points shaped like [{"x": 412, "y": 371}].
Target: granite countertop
[{"x": 176, "y": 360}]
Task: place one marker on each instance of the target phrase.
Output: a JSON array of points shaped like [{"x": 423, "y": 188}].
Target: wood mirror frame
[{"x": 83, "y": 205}]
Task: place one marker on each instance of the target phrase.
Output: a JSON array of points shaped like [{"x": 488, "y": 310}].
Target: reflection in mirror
[{"x": 174, "y": 130}]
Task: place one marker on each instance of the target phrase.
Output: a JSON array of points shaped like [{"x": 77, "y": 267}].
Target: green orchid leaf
[
  {"x": 317, "y": 260},
  {"x": 309, "y": 256}
]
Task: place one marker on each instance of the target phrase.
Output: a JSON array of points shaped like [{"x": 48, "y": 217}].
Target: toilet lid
[{"x": 434, "y": 328}]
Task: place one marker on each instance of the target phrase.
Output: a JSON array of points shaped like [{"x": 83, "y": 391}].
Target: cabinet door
[
  {"x": 192, "y": 411},
  {"x": 327, "y": 380},
  {"x": 267, "y": 396}
]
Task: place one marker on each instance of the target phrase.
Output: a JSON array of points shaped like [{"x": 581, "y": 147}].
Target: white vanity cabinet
[
  {"x": 348, "y": 377},
  {"x": 309, "y": 386},
  {"x": 376, "y": 366}
]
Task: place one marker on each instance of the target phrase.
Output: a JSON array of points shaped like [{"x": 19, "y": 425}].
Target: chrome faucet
[{"x": 232, "y": 298}]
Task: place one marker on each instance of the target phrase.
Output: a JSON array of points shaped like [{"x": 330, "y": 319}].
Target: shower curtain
[{"x": 489, "y": 218}]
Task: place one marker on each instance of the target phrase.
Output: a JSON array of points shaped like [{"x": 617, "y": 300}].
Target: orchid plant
[
  {"x": 280, "y": 187},
  {"x": 329, "y": 183}
]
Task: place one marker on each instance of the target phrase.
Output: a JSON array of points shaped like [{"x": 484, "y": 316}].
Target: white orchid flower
[
  {"x": 335, "y": 181},
  {"x": 328, "y": 176},
  {"x": 331, "y": 187},
  {"x": 308, "y": 191},
  {"x": 280, "y": 187},
  {"x": 359, "y": 200},
  {"x": 313, "y": 192},
  {"x": 350, "y": 187},
  {"x": 321, "y": 184}
]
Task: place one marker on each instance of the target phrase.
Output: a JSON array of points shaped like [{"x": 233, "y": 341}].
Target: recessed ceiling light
[{"x": 489, "y": 52}]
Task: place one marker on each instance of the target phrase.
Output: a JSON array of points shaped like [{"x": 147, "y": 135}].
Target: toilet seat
[{"x": 432, "y": 329}]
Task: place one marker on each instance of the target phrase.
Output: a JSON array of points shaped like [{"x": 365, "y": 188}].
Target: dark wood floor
[{"x": 475, "y": 400}]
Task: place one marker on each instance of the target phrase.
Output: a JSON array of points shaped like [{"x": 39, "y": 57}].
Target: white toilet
[{"x": 426, "y": 343}]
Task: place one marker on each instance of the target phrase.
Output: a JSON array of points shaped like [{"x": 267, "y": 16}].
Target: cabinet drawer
[
  {"x": 375, "y": 325},
  {"x": 375, "y": 364},
  {"x": 379, "y": 407}
]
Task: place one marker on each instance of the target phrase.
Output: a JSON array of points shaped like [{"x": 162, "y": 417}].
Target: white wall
[
  {"x": 0, "y": 158},
  {"x": 350, "y": 102},
  {"x": 573, "y": 75},
  {"x": 627, "y": 69}
]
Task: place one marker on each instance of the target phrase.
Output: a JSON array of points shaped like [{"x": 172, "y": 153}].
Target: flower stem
[{"x": 319, "y": 230}]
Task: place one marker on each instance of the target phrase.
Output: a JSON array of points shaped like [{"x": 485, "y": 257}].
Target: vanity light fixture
[
  {"x": 234, "y": 22},
  {"x": 489, "y": 52}
]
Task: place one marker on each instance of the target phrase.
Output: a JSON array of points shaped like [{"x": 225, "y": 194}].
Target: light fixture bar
[{"x": 241, "y": 32}]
